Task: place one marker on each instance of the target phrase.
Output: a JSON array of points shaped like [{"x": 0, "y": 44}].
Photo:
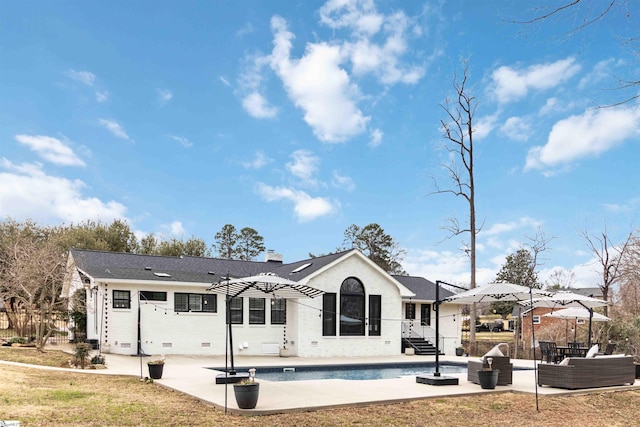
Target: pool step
[{"x": 421, "y": 346}]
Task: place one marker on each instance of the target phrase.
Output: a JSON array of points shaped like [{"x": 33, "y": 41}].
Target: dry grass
[{"x": 46, "y": 398}]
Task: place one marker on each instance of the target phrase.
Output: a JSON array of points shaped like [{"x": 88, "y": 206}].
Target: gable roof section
[
  {"x": 333, "y": 259},
  {"x": 423, "y": 289}
]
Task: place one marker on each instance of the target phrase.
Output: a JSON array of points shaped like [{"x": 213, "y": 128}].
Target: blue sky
[{"x": 299, "y": 119}]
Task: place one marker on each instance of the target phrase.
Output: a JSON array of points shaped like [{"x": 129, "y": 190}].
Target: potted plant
[
  {"x": 488, "y": 377},
  {"x": 155, "y": 368},
  {"x": 459, "y": 351},
  {"x": 246, "y": 391}
]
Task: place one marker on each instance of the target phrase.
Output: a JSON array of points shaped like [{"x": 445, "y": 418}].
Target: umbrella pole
[
  {"x": 230, "y": 331},
  {"x": 533, "y": 344},
  {"x": 437, "y": 372},
  {"x": 590, "y": 319}
]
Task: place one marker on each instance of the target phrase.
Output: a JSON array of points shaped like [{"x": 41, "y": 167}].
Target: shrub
[
  {"x": 82, "y": 351},
  {"x": 98, "y": 359}
]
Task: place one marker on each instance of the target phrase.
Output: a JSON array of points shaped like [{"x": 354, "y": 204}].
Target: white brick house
[{"x": 161, "y": 305}]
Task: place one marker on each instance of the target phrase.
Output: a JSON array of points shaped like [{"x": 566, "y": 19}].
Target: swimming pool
[{"x": 351, "y": 372}]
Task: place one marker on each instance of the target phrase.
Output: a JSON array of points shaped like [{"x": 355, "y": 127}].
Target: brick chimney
[{"x": 272, "y": 256}]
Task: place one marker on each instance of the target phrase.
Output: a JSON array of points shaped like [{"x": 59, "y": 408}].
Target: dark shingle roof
[
  {"x": 423, "y": 288},
  {"x": 128, "y": 266}
]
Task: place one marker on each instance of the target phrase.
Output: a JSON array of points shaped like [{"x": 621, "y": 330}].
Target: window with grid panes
[
  {"x": 121, "y": 299},
  {"x": 278, "y": 311},
  {"x": 256, "y": 311}
]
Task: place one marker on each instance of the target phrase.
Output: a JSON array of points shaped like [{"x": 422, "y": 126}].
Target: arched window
[{"x": 352, "y": 317}]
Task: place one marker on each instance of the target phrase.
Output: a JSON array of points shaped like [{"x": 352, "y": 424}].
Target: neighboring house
[
  {"x": 160, "y": 305},
  {"x": 542, "y": 322}
]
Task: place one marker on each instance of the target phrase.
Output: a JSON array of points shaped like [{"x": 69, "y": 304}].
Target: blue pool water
[{"x": 352, "y": 372}]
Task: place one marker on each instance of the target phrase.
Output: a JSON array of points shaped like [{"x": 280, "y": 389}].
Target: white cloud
[
  {"x": 367, "y": 56},
  {"x": 306, "y": 208},
  {"x": 51, "y": 149},
  {"x": 376, "y": 138},
  {"x": 517, "y": 128},
  {"x": 102, "y": 96},
  {"x": 601, "y": 71},
  {"x": 342, "y": 181},
  {"x": 588, "y": 134},
  {"x": 320, "y": 82},
  {"x": 448, "y": 266},
  {"x": 484, "y": 126},
  {"x": 257, "y": 106},
  {"x": 224, "y": 81},
  {"x": 501, "y": 228},
  {"x": 114, "y": 127},
  {"x": 383, "y": 60},
  {"x": 318, "y": 85},
  {"x": 259, "y": 161},
  {"x": 29, "y": 193},
  {"x": 361, "y": 15},
  {"x": 177, "y": 229},
  {"x": 246, "y": 29},
  {"x": 182, "y": 140},
  {"x": 304, "y": 165},
  {"x": 511, "y": 84},
  {"x": 164, "y": 95},
  {"x": 85, "y": 77}
]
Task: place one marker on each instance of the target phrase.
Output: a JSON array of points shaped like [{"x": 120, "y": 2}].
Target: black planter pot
[
  {"x": 459, "y": 351},
  {"x": 155, "y": 371},
  {"x": 488, "y": 379},
  {"x": 246, "y": 395}
]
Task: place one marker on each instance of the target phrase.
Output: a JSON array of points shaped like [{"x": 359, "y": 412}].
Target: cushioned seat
[
  {"x": 588, "y": 372},
  {"x": 501, "y": 363}
]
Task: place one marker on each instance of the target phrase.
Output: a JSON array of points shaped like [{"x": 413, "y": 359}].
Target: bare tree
[
  {"x": 587, "y": 13},
  {"x": 561, "y": 279},
  {"x": 628, "y": 301},
  {"x": 33, "y": 267},
  {"x": 610, "y": 259},
  {"x": 458, "y": 132}
]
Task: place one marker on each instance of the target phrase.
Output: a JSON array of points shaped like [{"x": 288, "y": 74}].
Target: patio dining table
[{"x": 566, "y": 351}]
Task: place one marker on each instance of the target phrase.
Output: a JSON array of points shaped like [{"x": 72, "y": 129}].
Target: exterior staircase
[{"x": 421, "y": 346}]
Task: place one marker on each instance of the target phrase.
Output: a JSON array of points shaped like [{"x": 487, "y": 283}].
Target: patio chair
[
  {"x": 552, "y": 352},
  {"x": 575, "y": 349},
  {"x": 544, "y": 351},
  {"x": 609, "y": 349},
  {"x": 500, "y": 362}
]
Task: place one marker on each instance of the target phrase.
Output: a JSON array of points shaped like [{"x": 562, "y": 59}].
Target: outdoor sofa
[{"x": 588, "y": 372}]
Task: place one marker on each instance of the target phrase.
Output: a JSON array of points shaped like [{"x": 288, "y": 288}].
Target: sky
[{"x": 299, "y": 119}]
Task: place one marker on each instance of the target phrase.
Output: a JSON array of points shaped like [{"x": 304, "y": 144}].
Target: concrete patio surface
[{"x": 189, "y": 375}]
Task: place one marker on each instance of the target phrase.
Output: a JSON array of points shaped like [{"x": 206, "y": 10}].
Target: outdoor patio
[{"x": 189, "y": 374}]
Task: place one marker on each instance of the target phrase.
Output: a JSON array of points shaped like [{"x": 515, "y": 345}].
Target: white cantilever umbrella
[
  {"x": 576, "y": 313},
  {"x": 499, "y": 291},
  {"x": 263, "y": 285}
]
